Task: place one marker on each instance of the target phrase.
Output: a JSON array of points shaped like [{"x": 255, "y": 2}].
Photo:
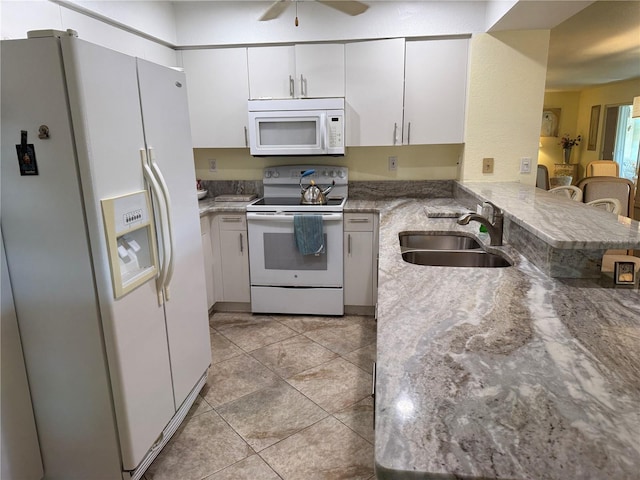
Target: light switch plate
[
  {"x": 393, "y": 163},
  {"x": 525, "y": 165}
]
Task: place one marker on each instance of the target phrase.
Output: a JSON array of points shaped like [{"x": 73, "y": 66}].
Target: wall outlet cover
[
  {"x": 487, "y": 165},
  {"x": 213, "y": 165},
  {"x": 393, "y": 164}
]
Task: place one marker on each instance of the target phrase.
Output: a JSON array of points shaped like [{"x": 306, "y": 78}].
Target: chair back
[
  {"x": 603, "y": 168},
  {"x": 609, "y": 204},
  {"x": 596, "y": 188},
  {"x": 542, "y": 180},
  {"x": 569, "y": 191}
]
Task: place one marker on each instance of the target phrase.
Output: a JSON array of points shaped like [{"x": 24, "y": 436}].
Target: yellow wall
[
  {"x": 506, "y": 91},
  {"x": 550, "y": 152},
  {"x": 575, "y": 120},
  {"x": 415, "y": 162}
]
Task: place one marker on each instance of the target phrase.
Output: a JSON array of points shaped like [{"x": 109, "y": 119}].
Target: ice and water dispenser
[{"x": 128, "y": 221}]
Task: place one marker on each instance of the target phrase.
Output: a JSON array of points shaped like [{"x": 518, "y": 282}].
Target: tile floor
[{"x": 288, "y": 397}]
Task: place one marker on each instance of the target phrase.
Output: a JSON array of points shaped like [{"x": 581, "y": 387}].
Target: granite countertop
[
  {"x": 560, "y": 222},
  {"x": 209, "y": 205},
  {"x": 500, "y": 372}
]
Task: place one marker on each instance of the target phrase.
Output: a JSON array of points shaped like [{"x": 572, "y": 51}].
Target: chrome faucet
[{"x": 494, "y": 229}]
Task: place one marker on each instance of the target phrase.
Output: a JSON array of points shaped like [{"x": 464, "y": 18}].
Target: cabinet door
[
  {"x": 435, "y": 91},
  {"x": 234, "y": 258},
  {"x": 218, "y": 89},
  {"x": 360, "y": 259},
  {"x": 272, "y": 72},
  {"x": 320, "y": 70},
  {"x": 207, "y": 251},
  {"x": 374, "y": 92}
]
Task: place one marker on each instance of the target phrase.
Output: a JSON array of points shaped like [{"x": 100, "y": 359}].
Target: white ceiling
[{"x": 600, "y": 44}]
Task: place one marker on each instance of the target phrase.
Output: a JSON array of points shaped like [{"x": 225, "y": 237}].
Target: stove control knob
[
  {"x": 276, "y": 174},
  {"x": 324, "y": 173},
  {"x": 341, "y": 173},
  {"x": 267, "y": 174},
  {"x": 333, "y": 173}
]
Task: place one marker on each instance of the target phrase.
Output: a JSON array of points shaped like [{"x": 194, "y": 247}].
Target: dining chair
[
  {"x": 595, "y": 188},
  {"x": 612, "y": 205},
  {"x": 569, "y": 191},
  {"x": 603, "y": 168},
  {"x": 542, "y": 180}
]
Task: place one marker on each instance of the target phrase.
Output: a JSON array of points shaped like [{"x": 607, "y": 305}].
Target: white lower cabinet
[
  {"x": 360, "y": 259},
  {"x": 205, "y": 229},
  {"x": 231, "y": 258}
]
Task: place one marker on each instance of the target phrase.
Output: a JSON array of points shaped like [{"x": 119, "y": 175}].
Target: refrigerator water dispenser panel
[{"x": 131, "y": 242}]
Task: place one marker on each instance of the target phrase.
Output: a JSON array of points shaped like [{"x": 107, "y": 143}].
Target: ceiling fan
[{"x": 350, "y": 7}]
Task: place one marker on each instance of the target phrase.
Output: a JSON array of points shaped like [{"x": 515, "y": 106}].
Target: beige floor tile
[
  {"x": 333, "y": 385},
  {"x": 293, "y": 355},
  {"x": 359, "y": 418},
  {"x": 251, "y": 468},
  {"x": 234, "y": 378},
  {"x": 270, "y": 415},
  {"x": 363, "y": 357},
  {"x": 346, "y": 338},
  {"x": 221, "y": 348},
  {"x": 251, "y": 336},
  {"x": 222, "y": 319},
  {"x": 199, "y": 407},
  {"x": 203, "y": 445},
  {"x": 302, "y": 323},
  {"x": 327, "y": 450}
]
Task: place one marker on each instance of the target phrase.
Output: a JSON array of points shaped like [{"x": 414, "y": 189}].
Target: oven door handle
[{"x": 288, "y": 217}]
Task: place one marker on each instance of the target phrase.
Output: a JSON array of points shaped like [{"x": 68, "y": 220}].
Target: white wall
[
  {"x": 18, "y": 17},
  {"x": 505, "y": 99},
  {"x": 236, "y": 22}
]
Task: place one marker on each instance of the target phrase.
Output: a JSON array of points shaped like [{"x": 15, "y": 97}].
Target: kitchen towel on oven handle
[{"x": 309, "y": 235}]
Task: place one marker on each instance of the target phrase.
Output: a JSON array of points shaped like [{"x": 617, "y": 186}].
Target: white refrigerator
[{"x": 105, "y": 260}]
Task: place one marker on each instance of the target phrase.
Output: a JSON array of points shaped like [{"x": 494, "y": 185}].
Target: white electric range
[{"x": 283, "y": 280}]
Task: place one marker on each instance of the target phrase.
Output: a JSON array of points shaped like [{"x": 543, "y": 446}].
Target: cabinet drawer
[
  {"x": 204, "y": 224},
  {"x": 232, "y": 221},
  {"x": 358, "y": 222}
]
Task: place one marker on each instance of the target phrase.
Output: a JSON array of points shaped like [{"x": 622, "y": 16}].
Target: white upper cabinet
[
  {"x": 296, "y": 71},
  {"x": 374, "y": 92},
  {"x": 435, "y": 91},
  {"x": 218, "y": 90}
]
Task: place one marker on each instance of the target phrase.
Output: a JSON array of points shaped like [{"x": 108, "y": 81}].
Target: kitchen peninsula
[{"x": 504, "y": 372}]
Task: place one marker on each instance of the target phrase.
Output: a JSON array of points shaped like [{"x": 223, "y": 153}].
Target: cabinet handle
[
  {"x": 359, "y": 220},
  {"x": 246, "y": 137},
  {"x": 373, "y": 391},
  {"x": 395, "y": 133},
  {"x": 409, "y": 134},
  {"x": 291, "y": 86},
  {"x": 349, "y": 244},
  {"x": 231, "y": 219},
  {"x": 303, "y": 86},
  {"x": 241, "y": 244}
]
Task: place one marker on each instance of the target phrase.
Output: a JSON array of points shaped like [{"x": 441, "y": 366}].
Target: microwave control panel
[{"x": 336, "y": 130}]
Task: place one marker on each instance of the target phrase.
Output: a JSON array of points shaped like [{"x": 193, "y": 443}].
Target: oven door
[{"x": 274, "y": 259}]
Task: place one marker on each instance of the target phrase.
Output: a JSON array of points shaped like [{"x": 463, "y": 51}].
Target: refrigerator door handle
[
  {"x": 151, "y": 180},
  {"x": 167, "y": 199}
]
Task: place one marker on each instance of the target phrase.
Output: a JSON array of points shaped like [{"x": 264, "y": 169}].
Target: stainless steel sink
[
  {"x": 459, "y": 258},
  {"x": 435, "y": 241}
]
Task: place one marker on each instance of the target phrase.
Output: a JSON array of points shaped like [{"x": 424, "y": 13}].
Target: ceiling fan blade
[
  {"x": 350, "y": 7},
  {"x": 275, "y": 10}
]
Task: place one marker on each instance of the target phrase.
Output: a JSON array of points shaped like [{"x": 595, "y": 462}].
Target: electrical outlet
[
  {"x": 487, "y": 165},
  {"x": 213, "y": 166},
  {"x": 393, "y": 164},
  {"x": 525, "y": 165}
]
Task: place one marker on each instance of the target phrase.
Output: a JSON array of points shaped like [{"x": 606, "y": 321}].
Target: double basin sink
[{"x": 447, "y": 250}]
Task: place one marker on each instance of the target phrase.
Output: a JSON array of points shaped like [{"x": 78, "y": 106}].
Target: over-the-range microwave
[{"x": 306, "y": 126}]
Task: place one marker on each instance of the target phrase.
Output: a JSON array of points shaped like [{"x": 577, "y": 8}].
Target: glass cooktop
[{"x": 287, "y": 201}]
